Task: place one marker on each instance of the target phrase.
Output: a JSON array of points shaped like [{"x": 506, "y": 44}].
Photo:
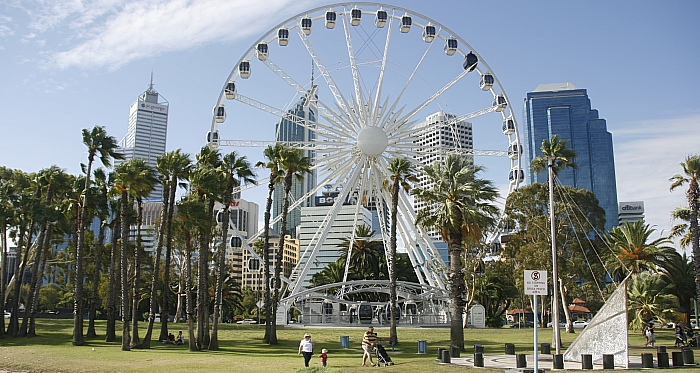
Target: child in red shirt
[{"x": 324, "y": 357}]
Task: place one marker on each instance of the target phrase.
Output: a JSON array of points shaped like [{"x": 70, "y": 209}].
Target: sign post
[{"x": 536, "y": 284}]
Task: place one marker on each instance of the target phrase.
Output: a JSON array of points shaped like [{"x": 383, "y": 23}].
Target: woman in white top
[{"x": 307, "y": 348}]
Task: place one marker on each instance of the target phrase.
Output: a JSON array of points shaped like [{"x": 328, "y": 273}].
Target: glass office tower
[{"x": 562, "y": 109}]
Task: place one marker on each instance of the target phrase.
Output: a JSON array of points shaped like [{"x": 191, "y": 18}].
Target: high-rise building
[
  {"x": 148, "y": 126},
  {"x": 562, "y": 109},
  {"x": 438, "y": 134},
  {"x": 342, "y": 228},
  {"x": 294, "y": 132},
  {"x": 630, "y": 212}
]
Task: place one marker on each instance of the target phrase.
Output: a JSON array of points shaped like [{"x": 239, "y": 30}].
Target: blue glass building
[{"x": 562, "y": 109}]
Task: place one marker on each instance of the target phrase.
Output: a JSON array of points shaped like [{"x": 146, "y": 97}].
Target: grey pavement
[{"x": 544, "y": 362}]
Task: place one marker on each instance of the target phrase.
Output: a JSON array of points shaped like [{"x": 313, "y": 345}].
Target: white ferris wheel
[{"x": 380, "y": 82}]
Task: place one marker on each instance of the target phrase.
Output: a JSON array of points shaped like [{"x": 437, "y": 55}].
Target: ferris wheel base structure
[{"x": 369, "y": 73}]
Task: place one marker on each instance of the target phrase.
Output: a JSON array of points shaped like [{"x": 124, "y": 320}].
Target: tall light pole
[{"x": 555, "y": 275}]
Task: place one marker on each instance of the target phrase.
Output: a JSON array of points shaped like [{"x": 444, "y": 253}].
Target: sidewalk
[{"x": 544, "y": 362}]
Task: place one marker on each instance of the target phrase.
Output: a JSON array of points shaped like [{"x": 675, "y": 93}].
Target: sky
[{"x": 66, "y": 65}]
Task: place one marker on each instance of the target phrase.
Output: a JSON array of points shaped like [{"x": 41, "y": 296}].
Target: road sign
[
  {"x": 260, "y": 304},
  {"x": 535, "y": 282}
]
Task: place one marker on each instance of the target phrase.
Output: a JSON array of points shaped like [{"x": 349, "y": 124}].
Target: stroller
[{"x": 383, "y": 358}]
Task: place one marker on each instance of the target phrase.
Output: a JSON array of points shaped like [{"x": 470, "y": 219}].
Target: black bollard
[
  {"x": 478, "y": 349},
  {"x": 677, "y": 357},
  {"x": 558, "y": 362},
  {"x": 608, "y": 361},
  {"x": 510, "y": 349},
  {"x": 546, "y": 348},
  {"x": 446, "y": 357},
  {"x": 586, "y": 361},
  {"x": 520, "y": 361},
  {"x": 662, "y": 359},
  {"x": 660, "y": 349},
  {"x": 688, "y": 357},
  {"x": 647, "y": 360},
  {"x": 455, "y": 351},
  {"x": 479, "y": 360},
  {"x": 439, "y": 358}
]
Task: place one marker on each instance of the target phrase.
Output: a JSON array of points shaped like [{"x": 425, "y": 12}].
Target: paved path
[{"x": 544, "y": 362}]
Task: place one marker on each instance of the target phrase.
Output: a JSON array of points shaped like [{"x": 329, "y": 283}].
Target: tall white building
[
  {"x": 435, "y": 137},
  {"x": 341, "y": 228},
  {"x": 147, "y": 133}
]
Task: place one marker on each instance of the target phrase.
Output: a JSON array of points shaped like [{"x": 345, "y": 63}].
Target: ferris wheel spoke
[
  {"x": 359, "y": 97},
  {"x": 433, "y": 97},
  {"x": 340, "y": 100},
  {"x": 380, "y": 80},
  {"x": 388, "y": 121},
  {"x": 324, "y": 110},
  {"x": 321, "y": 233},
  {"x": 330, "y": 132}
]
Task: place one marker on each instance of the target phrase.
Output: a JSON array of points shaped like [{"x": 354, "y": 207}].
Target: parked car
[
  {"x": 580, "y": 324},
  {"x": 523, "y": 324},
  {"x": 247, "y": 321},
  {"x": 561, "y": 324}
]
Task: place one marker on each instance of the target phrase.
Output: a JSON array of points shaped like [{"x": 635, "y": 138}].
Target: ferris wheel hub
[{"x": 372, "y": 141}]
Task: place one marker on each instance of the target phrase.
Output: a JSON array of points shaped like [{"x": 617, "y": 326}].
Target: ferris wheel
[{"x": 355, "y": 85}]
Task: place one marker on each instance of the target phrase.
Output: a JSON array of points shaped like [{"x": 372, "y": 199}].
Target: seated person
[
  {"x": 171, "y": 338},
  {"x": 180, "y": 340}
]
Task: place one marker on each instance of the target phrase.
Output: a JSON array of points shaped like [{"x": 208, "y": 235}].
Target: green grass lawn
[{"x": 242, "y": 350}]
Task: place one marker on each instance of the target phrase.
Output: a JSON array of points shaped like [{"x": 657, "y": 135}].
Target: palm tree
[
  {"x": 633, "y": 252},
  {"x": 208, "y": 184},
  {"x": 105, "y": 146},
  {"x": 101, "y": 205},
  {"x": 556, "y": 156},
  {"x": 460, "y": 208},
  {"x": 401, "y": 175},
  {"x": 679, "y": 274},
  {"x": 122, "y": 177},
  {"x": 648, "y": 297},
  {"x": 681, "y": 230},
  {"x": 691, "y": 174},
  {"x": 365, "y": 254},
  {"x": 141, "y": 184},
  {"x": 191, "y": 220},
  {"x": 273, "y": 156},
  {"x": 235, "y": 170},
  {"x": 175, "y": 167},
  {"x": 294, "y": 165}
]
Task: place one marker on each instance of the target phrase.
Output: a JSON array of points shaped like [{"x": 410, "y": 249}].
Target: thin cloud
[
  {"x": 5, "y": 29},
  {"x": 144, "y": 29},
  {"x": 647, "y": 154}
]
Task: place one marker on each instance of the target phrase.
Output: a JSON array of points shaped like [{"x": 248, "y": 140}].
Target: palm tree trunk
[
  {"x": 221, "y": 265},
  {"x": 94, "y": 295},
  {"x": 110, "y": 333},
  {"x": 456, "y": 280},
  {"x": 392, "y": 261},
  {"x": 165, "y": 311},
  {"x": 38, "y": 281},
  {"x": 19, "y": 278},
  {"x": 188, "y": 294},
  {"x": 153, "y": 300},
  {"x": 693, "y": 195},
  {"x": 136, "y": 296},
  {"x": 126, "y": 330},
  {"x": 266, "y": 261},
  {"x": 38, "y": 246}
]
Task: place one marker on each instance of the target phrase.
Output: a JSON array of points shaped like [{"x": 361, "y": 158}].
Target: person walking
[
  {"x": 306, "y": 346},
  {"x": 368, "y": 341},
  {"x": 651, "y": 338},
  {"x": 324, "y": 357}
]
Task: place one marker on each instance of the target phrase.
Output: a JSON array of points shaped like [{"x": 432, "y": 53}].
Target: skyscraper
[
  {"x": 439, "y": 134},
  {"x": 148, "y": 126},
  {"x": 562, "y": 109},
  {"x": 290, "y": 131}
]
